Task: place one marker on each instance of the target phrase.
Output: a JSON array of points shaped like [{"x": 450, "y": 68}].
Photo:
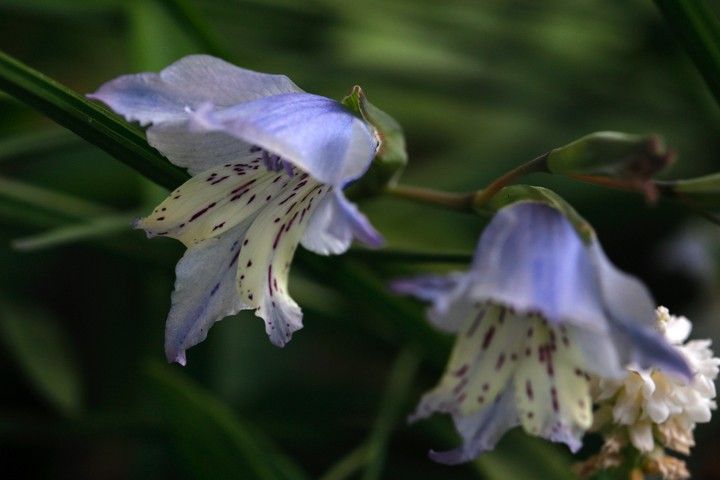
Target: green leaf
[
  {"x": 195, "y": 26},
  {"x": 52, "y": 201},
  {"x": 90, "y": 121},
  {"x": 93, "y": 229},
  {"x": 212, "y": 439},
  {"x": 698, "y": 28},
  {"x": 540, "y": 460},
  {"x": 42, "y": 351},
  {"x": 391, "y": 158},
  {"x": 347, "y": 465},
  {"x": 394, "y": 401},
  {"x": 49, "y": 140}
]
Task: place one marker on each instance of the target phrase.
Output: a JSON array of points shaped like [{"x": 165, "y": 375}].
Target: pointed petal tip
[
  {"x": 177, "y": 357},
  {"x": 402, "y": 286},
  {"x": 449, "y": 457}
]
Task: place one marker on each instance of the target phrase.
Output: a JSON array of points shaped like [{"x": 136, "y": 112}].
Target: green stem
[
  {"x": 538, "y": 164},
  {"x": 347, "y": 465},
  {"x": 470, "y": 202},
  {"x": 454, "y": 201},
  {"x": 399, "y": 385},
  {"x": 699, "y": 31}
]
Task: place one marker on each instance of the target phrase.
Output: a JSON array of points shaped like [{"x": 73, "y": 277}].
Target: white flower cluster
[{"x": 657, "y": 407}]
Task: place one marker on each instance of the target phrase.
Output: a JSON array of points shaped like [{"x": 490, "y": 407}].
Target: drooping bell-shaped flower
[
  {"x": 269, "y": 163},
  {"x": 537, "y": 313}
]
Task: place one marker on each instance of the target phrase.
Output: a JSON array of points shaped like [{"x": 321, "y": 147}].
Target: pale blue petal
[
  {"x": 189, "y": 82},
  {"x": 482, "y": 430},
  {"x": 531, "y": 259},
  {"x": 205, "y": 292},
  {"x": 197, "y": 151},
  {"x": 449, "y": 308},
  {"x": 316, "y": 134},
  {"x": 632, "y": 313},
  {"x": 335, "y": 224}
]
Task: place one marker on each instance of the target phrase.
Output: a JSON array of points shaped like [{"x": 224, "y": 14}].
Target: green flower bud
[
  {"x": 613, "y": 159},
  {"x": 701, "y": 192},
  {"x": 391, "y": 157}
]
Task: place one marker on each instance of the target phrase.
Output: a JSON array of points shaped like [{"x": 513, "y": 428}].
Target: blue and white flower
[
  {"x": 538, "y": 312},
  {"x": 269, "y": 163}
]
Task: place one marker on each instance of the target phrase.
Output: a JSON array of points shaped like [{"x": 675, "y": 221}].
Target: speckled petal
[
  {"x": 552, "y": 388},
  {"x": 267, "y": 251},
  {"x": 334, "y": 225},
  {"x": 189, "y": 82},
  {"x": 215, "y": 201},
  {"x": 314, "y": 133},
  {"x": 205, "y": 292}
]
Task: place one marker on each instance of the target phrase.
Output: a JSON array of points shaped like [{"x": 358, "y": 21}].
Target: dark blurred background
[{"x": 479, "y": 87}]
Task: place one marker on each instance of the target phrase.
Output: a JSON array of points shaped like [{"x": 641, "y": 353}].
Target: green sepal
[
  {"x": 701, "y": 192},
  {"x": 530, "y": 193},
  {"x": 625, "y": 160},
  {"x": 391, "y": 157}
]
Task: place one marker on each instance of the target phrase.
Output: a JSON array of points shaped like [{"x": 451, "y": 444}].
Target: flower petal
[
  {"x": 268, "y": 248},
  {"x": 476, "y": 372},
  {"x": 189, "y": 82},
  {"x": 482, "y": 430},
  {"x": 552, "y": 388},
  {"x": 334, "y": 224},
  {"x": 316, "y": 134},
  {"x": 641, "y": 436},
  {"x": 215, "y": 201},
  {"x": 632, "y": 313},
  {"x": 197, "y": 151},
  {"x": 205, "y": 292},
  {"x": 531, "y": 258},
  {"x": 449, "y": 309}
]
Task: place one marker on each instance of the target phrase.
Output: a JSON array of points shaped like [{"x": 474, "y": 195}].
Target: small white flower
[{"x": 658, "y": 407}]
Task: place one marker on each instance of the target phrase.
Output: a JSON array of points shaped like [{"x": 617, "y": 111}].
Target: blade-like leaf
[
  {"x": 50, "y": 200},
  {"x": 698, "y": 28},
  {"x": 90, "y": 121},
  {"x": 43, "y": 353},
  {"x": 394, "y": 401},
  {"x": 213, "y": 440},
  {"x": 37, "y": 143},
  {"x": 96, "y": 228}
]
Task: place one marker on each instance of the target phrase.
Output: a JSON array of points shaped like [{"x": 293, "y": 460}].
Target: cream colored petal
[
  {"x": 214, "y": 201},
  {"x": 266, "y": 254}
]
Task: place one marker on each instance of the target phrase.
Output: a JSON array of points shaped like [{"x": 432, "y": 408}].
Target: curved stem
[
  {"x": 455, "y": 201},
  {"x": 469, "y": 202},
  {"x": 537, "y": 164}
]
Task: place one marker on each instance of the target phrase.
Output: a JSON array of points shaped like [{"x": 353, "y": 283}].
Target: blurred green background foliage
[{"x": 478, "y": 87}]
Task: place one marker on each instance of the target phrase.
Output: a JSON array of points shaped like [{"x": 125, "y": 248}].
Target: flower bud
[
  {"x": 613, "y": 159},
  {"x": 391, "y": 157}
]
